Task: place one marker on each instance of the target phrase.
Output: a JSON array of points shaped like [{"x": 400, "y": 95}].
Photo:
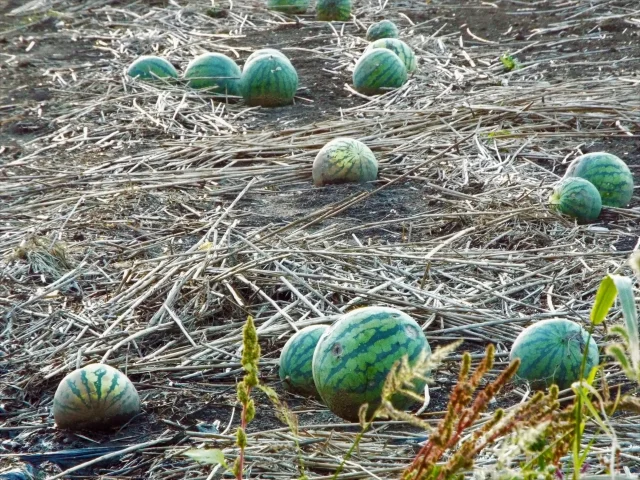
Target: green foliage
[{"x": 509, "y": 62}]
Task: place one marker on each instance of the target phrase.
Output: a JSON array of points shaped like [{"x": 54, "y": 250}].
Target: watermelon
[
  {"x": 382, "y": 29},
  {"x": 288, "y": 6},
  {"x": 295, "y": 360},
  {"x": 327, "y": 10},
  {"x": 150, "y": 67},
  {"x": 344, "y": 160},
  {"x": 610, "y": 175},
  {"x": 377, "y": 70},
  {"x": 97, "y": 397},
  {"x": 214, "y": 71},
  {"x": 401, "y": 49},
  {"x": 550, "y": 351},
  {"x": 577, "y": 198},
  {"x": 354, "y": 356},
  {"x": 269, "y": 80}
]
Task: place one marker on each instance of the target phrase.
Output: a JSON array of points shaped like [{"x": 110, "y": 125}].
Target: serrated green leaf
[
  {"x": 212, "y": 456},
  {"x": 605, "y": 297}
]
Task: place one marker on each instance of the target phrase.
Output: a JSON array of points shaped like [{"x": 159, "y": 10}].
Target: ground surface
[{"x": 169, "y": 204}]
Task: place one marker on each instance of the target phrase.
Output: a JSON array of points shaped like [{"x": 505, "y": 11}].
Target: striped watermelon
[
  {"x": 215, "y": 72},
  {"x": 610, "y": 175},
  {"x": 401, "y": 49},
  {"x": 327, "y": 10},
  {"x": 96, "y": 396},
  {"x": 344, "y": 160},
  {"x": 551, "y": 351},
  {"x": 269, "y": 80},
  {"x": 577, "y": 198},
  {"x": 378, "y": 69},
  {"x": 354, "y": 356},
  {"x": 150, "y": 67},
  {"x": 288, "y": 6},
  {"x": 295, "y": 360},
  {"x": 382, "y": 29}
]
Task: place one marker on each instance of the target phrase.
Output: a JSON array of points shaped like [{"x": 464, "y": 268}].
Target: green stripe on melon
[
  {"x": 551, "y": 351},
  {"x": 577, "y": 198},
  {"x": 269, "y": 81},
  {"x": 295, "y": 360},
  {"x": 610, "y": 175},
  {"x": 382, "y": 29},
  {"x": 265, "y": 51},
  {"x": 344, "y": 160},
  {"x": 401, "y": 49},
  {"x": 150, "y": 67},
  {"x": 215, "y": 72},
  {"x": 288, "y": 6},
  {"x": 328, "y": 10},
  {"x": 378, "y": 70},
  {"x": 97, "y": 397},
  {"x": 354, "y": 356}
]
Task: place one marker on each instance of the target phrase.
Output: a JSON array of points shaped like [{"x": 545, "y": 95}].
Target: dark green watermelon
[
  {"x": 610, "y": 175},
  {"x": 550, "y": 351},
  {"x": 269, "y": 80},
  {"x": 577, "y": 198},
  {"x": 377, "y": 71},
  {"x": 328, "y": 10},
  {"x": 215, "y": 72},
  {"x": 295, "y": 360},
  {"x": 382, "y": 29},
  {"x": 353, "y": 358},
  {"x": 150, "y": 67},
  {"x": 344, "y": 160}
]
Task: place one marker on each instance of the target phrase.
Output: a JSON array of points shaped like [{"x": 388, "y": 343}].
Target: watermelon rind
[
  {"x": 344, "y": 160},
  {"x": 400, "y": 48},
  {"x": 95, "y": 397},
  {"x": 269, "y": 81},
  {"x": 578, "y": 198},
  {"x": 377, "y": 71},
  {"x": 338, "y": 10},
  {"x": 354, "y": 356},
  {"x": 551, "y": 351},
  {"x": 296, "y": 358},
  {"x": 288, "y": 6},
  {"x": 215, "y": 72},
  {"x": 382, "y": 29},
  {"x": 610, "y": 175},
  {"x": 151, "y": 67}
]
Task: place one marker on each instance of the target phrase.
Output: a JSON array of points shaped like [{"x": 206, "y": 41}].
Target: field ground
[{"x": 141, "y": 224}]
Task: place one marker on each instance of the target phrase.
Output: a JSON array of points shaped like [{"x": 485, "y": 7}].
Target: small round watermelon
[
  {"x": 96, "y": 397},
  {"x": 401, "y": 49},
  {"x": 269, "y": 80},
  {"x": 577, "y": 198},
  {"x": 265, "y": 51},
  {"x": 150, "y": 67},
  {"x": 382, "y": 29},
  {"x": 550, "y": 351},
  {"x": 288, "y": 6},
  {"x": 295, "y": 360},
  {"x": 610, "y": 175},
  {"x": 327, "y": 10},
  {"x": 344, "y": 160},
  {"x": 378, "y": 70},
  {"x": 215, "y": 72},
  {"x": 354, "y": 356}
]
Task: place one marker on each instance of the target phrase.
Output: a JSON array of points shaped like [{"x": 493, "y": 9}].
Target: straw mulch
[{"x": 150, "y": 220}]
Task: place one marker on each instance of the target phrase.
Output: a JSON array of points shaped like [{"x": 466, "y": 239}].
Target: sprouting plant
[{"x": 509, "y": 62}]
